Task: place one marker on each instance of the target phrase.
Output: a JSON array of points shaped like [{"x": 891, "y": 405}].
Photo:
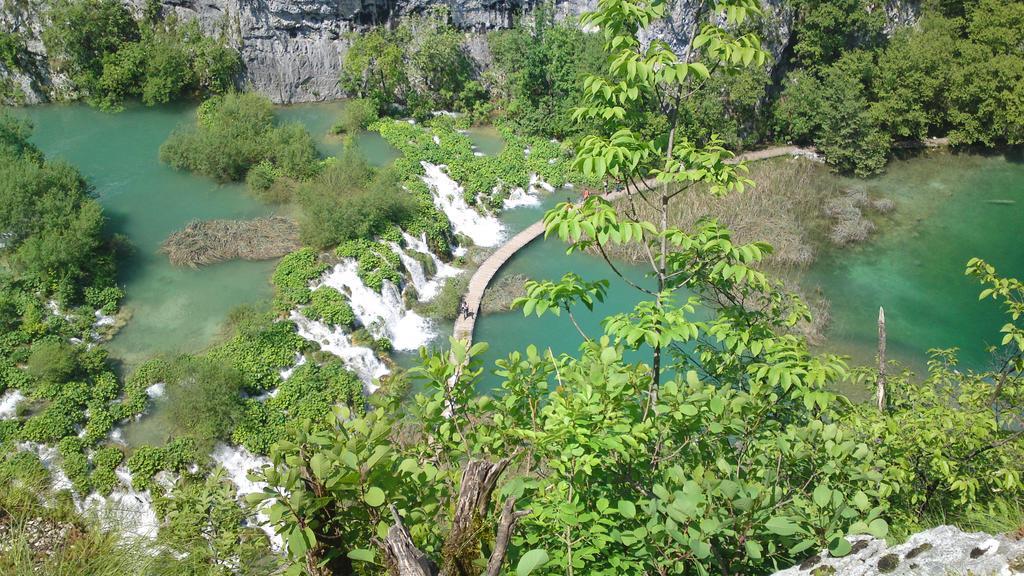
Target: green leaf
[
  {"x": 627, "y": 509},
  {"x": 839, "y": 547},
  {"x": 531, "y": 561},
  {"x": 361, "y": 554},
  {"x": 878, "y": 528},
  {"x": 781, "y": 526},
  {"x": 822, "y": 495},
  {"x": 753, "y": 549},
  {"x": 374, "y": 497}
]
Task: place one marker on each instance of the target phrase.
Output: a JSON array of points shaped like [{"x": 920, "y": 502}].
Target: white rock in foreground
[{"x": 941, "y": 551}]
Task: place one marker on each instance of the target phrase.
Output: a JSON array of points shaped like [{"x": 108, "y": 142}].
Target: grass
[
  {"x": 797, "y": 205},
  {"x": 1004, "y": 516},
  {"x": 499, "y": 295}
]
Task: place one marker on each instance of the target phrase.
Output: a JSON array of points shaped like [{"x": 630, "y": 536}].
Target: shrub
[
  {"x": 350, "y": 201},
  {"x": 330, "y": 306},
  {"x": 203, "y": 399},
  {"x": 235, "y": 132},
  {"x": 104, "y": 462},
  {"x": 376, "y": 262},
  {"x": 357, "y": 115},
  {"x": 293, "y": 276},
  {"x": 52, "y": 361}
]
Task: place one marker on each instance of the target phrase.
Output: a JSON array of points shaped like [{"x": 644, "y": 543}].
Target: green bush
[
  {"x": 349, "y": 201},
  {"x": 310, "y": 393},
  {"x": 357, "y": 115},
  {"x": 204, "y": 400},
  {"x": 52, "y": 361},
  {"x": 293, "y": 276},
  {"x": 376, "y": 262},
  {"x": 330, "y": 306},
  {"x": 259, "y": 352},
  {"x": 104, "y": 463},
  {"x": 235, "y": 132}
]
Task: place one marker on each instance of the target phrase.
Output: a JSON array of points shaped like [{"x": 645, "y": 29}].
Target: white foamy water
[
  {"x": 382, "y": 313},
  {"x": 426, "y": 287},
  {"x": 238, "y": 463},
  {"x": 448, "y": 197},
  {"x": 128, "y": 510},
  {"x": 125, "y": 508},
  {"x": 359, "y": 359},
  {"x": 9, "y": 404}
]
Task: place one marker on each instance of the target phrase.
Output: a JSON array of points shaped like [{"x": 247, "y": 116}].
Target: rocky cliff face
[{"x": 292, "y": 49}]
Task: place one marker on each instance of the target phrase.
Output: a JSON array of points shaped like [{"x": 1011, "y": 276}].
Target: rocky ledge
[{"x": 942, "y": 551}]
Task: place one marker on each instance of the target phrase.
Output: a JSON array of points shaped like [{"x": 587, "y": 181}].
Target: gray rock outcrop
[
  {"x": 942, "y": 551},
  {"x": 292, "y": 49}
]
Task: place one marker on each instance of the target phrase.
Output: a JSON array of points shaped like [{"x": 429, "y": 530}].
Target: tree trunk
[
  {"x": 880, "y": 392},
  {"x": 461, "y": 552}
]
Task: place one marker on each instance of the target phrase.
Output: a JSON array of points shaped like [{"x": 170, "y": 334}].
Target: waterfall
[
  {"x": 426, "y": 288},
  {"x": 238, "y": 463},
  {"x": 448, "y": 197},
  {"x": 382, "y": 313},
  {"x": 125, "y": 508},
  {"x": 359, "y": 359},
  {"x": 9, "y": 404}
]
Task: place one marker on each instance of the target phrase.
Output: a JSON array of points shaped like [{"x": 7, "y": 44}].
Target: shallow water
[
  {"x": 173, "y": 309},
  {"x": 944, "y": 216},
  {"x": 913, "y": 266}
]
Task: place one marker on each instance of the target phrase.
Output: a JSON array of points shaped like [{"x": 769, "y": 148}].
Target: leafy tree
[
  {"x": 537, "y": 71},
  {"x": 912, "y": 79},
  {"x": 832, "y": 110},
  {"x": 826, "y": 29},
  {"x": 82, "y": 32},
  {"x": 421, "y": 65}
]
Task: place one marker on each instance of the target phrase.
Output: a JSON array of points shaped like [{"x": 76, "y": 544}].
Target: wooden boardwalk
[{"x": 466, "y": 322}]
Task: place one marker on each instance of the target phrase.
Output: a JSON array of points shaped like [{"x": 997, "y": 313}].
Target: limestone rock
[{"x": 941, "y": 551}]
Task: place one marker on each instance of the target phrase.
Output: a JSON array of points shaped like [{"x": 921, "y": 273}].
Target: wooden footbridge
[{"x": 466, "y": 322}]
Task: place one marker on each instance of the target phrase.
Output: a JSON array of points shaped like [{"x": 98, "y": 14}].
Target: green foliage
[
  {"x": 52, "y": 224},
  {"x": 832, "y": 110},
  {"x": 111, "y": 57},
  {"x": 958, "y": 73},
  {"x": 147, "y": 461},
  {"x": 331, "y": 307},
  {"x": 829, "y": 28},
  {"x": 421, "y": 64},
  {"x": 351, "y": 201},
  {"x": 357, "y": 115},
  {"x": 75, "y": 464},
  {"x": 376, "y": 262},
  {"x": 486, "y": 180},
  {"x": 82, "y": 32},
  {"x": 293, "y": 276},
  {"x": 311, "y": 392},
  {"x": 257, "y": 351},
  {"x": 52, "y": 361},
  {"x": 234, "y": 133},
  {"x": 537, "y": 71},
  {"x": 170, "y": 61},
  {"x": 204, "y": 399},
  {"x": 104, "y": 462},
  {"x": 201, "y": 520}
]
